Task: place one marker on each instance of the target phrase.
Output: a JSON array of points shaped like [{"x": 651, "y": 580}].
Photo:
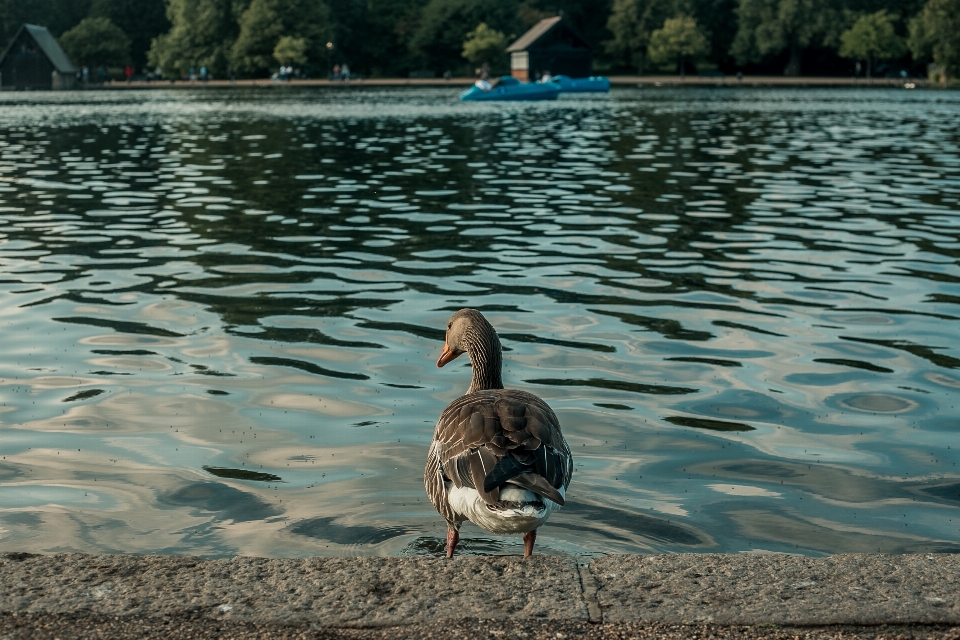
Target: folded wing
[{"x": 486, "y": 439}]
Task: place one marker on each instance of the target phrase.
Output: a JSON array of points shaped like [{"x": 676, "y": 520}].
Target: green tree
[
  {"x": 770, "y": 27},
  {"x": 373, "y": 36},
  {"x": 718, "y": 19},
  {"x": 56, "y": 15},
  {"x": 872, "y": 37},
  {"x": 265, "y": 21},
  {"x": 935, "y": 34},
  {"x": 438, "y": 41},
  {"x": 290, "y": 50},
  {"x": 901, "y": 8},
  {"x": 389, "y": 28},
  {"x": 260, "y": 29},
  {"x": 96, "y": 42},
  {"x": 201, "y": 33},
  {"x": 484, "y": 44},
  {"x": 141, "y": 20},
  {"x": 632, "y": 22},
  {"x": 679, "y": 39}
]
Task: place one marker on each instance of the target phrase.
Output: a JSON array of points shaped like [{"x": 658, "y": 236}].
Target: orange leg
[
  {"x": 453, "y": 537},
  {"x": 528, "y": 539}
]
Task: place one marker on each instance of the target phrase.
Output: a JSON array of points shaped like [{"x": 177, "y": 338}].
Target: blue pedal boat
[
  {"x": 512, "y": 89},
  {"x": 593, "y": 84}
]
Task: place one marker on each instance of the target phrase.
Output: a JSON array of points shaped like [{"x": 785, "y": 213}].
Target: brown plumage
[{"x": 491, "y": 440}]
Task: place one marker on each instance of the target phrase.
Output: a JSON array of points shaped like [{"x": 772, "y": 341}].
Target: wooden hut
[
  {"x": 550, "y": 45},
  {"x": 34, "y": 60}
]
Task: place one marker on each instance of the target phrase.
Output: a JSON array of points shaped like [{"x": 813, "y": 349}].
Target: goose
[{"x": 498, "y": 458}]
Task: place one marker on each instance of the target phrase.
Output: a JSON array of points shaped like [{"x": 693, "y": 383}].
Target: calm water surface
[{"x": 220, "y": 314}]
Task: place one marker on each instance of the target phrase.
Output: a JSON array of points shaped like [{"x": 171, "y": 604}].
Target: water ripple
[{"x": 741, "y": 303}]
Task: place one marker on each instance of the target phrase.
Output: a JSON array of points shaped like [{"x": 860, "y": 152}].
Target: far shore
[{"x": 616, "y": 81}]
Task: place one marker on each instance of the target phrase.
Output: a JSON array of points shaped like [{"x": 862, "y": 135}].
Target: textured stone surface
[
  {"x": 70, "y": 626},
  {"x": 779, "y": 588},
  {"x": 328, "y": 591},
  {"x": 743, "y": 589}
]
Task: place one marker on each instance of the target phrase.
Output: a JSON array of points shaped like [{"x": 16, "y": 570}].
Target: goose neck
[{"x": 484, "y": 351}]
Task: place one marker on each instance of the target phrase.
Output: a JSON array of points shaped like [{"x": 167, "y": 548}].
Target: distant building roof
[
  {"x": 48, "y": 45},
  {"x": 542, "y": 28},
  {"x": 535, "y": 33}
]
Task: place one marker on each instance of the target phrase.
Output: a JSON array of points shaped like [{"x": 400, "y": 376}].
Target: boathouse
[
  {"x": 550, "y": 45},
  {"x": 34, "y": 60}
]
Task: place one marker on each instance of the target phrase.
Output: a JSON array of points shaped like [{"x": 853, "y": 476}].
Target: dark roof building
[
  {"x": 550, "y": 45},
  {"x": 34, "y": 60}
]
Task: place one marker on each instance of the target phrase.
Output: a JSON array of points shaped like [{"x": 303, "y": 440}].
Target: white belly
[{"x": 469, "y": 505}]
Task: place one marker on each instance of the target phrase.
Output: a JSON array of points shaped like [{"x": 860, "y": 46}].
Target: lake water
[{"x": 220, "y": 313}]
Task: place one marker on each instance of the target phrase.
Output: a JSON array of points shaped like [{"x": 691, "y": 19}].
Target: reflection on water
[{"x": 220, "y": 313}]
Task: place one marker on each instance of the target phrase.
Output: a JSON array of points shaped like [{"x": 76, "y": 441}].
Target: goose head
[{"x": 469, "y": 332}]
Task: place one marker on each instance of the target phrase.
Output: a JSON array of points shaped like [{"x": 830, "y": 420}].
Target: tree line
[{"x": 389, "y": 38}]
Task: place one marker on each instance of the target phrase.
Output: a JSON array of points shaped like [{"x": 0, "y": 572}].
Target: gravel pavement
[{"x": 654, "y": 596}]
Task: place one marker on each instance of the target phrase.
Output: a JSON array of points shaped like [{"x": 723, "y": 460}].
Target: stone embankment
[
  {"x": 616, "y": 81},
  {"x": 662, "y": 596}
]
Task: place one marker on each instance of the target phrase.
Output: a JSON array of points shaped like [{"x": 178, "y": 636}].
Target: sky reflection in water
[{"x": 220, "y": 313}]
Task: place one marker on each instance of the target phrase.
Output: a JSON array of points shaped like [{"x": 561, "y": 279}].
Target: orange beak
[{"x": 448, "y": 355}]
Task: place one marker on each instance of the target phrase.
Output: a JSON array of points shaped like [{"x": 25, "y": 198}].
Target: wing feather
[{"x": 487, "y": 438}]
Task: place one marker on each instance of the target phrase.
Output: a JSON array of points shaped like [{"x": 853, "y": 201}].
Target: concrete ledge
[
  {"x": 367, "y": 591},
  {"x": 780, "y": 589},
  {"x": 343, "y": 593},
  {"x": 460, "y": 82},
  {"x": 768, "y": 81}
]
